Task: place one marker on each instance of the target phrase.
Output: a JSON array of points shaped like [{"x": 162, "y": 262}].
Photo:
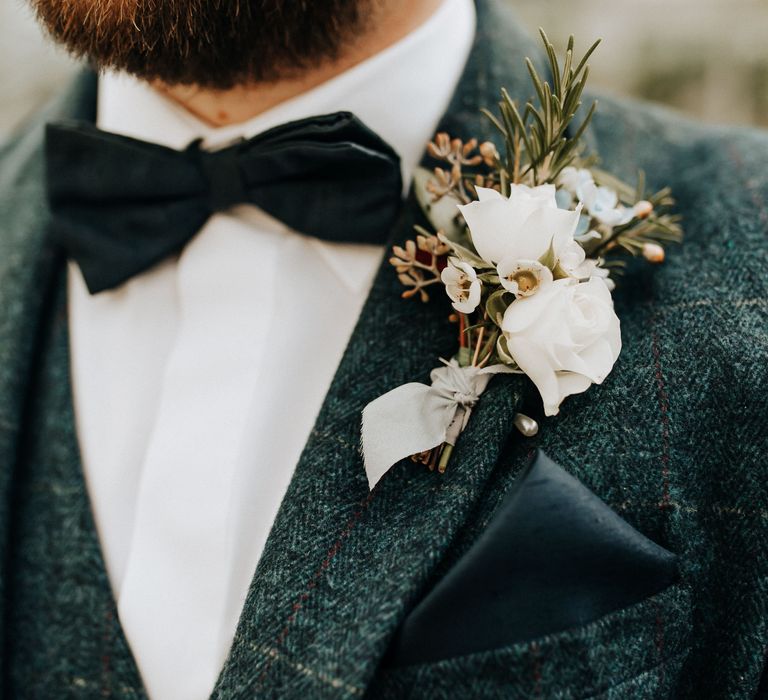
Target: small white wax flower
[
  {"x": 565, "y": 338},
  {"x": 523, "y": 226},
  {"x": 614, "y": 217},
  {"x": 603, "y": 204},
  {"x": 574, "y": 179},
  {"x": 591, "y": 268},
  {"x": 653, "y": 252},
  {"x": 461, "y": 285},
  {"x": 523, "y": 277}
]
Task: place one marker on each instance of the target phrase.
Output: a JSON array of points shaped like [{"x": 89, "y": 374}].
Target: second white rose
[{"x": 565, "y": 338}]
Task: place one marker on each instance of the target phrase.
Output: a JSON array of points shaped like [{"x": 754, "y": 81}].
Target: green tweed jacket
[{"x": 675, "y": 442}]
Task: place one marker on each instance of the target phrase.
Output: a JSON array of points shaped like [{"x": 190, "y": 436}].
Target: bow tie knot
[
  {"x": 221, "y": 172},
  {"x": 121, "y": 205}
]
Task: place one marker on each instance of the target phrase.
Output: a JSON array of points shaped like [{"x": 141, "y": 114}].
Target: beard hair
[{"x": 213, "y": 44}]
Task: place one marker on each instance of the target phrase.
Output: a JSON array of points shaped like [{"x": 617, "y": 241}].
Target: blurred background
[{"x": 706, "y": 57}]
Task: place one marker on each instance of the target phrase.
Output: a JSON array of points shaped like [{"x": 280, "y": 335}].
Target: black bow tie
[{"x": 121, "y": 205}]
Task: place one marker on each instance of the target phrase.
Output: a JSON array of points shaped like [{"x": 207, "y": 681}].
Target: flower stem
[
  {"x": 478, "y": 345},
  {"x": 444, "y": 457},
  {"x": 462, "y": 327},
  {"x": 516, "y": 167},
  {"x": 487, "y": 350}
]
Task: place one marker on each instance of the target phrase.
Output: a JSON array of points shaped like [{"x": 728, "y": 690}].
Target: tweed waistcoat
[
  {"x": 64, "y": 639},
  {"x": 675, "y": 441}
]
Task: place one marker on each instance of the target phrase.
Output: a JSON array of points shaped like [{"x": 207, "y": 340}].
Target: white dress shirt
[{"x": 197, "y": 383}]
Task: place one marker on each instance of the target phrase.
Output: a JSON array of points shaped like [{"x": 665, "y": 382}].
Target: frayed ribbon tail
[{"x": 415, "y": 418}]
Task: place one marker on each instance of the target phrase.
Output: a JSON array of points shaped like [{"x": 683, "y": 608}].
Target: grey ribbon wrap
[{"x": 414, "y": 417}]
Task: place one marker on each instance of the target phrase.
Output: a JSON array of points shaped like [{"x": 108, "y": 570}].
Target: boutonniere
[{"x": 528, "y": 241}]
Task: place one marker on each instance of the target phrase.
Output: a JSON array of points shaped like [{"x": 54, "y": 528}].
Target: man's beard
[{"x": 211, "y": 43}]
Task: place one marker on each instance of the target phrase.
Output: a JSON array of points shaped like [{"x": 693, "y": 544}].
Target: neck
[{"x": 397, "y": 19}]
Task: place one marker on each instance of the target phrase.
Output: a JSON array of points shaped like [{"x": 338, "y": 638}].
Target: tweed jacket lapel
[
  {"x": 342, "y": 566},
  {"x": 27, "y": 275}
]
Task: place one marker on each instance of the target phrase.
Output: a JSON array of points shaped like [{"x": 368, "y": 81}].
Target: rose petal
[
  {"x": 525, "y": 312},
  {"x": 547, "y": 227},
  {"x": 489, "y": 226},
  {"x": 543, "y": 195},
  {"x": 533, "y": 362},
  {"x": 485, "y": 194}
]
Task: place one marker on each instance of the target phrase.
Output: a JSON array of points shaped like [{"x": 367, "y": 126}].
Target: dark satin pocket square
[{"x": 554, "y": 556}]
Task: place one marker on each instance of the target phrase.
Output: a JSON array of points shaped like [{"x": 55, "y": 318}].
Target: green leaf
[
  {"x": 537, "y": 117},
  {"x": 555, "y": 68},
  {"x": 586, "y": 56},
  {"x": 467, "y": 256},
  {"x": 640, "y": 188},
  {"x": 549, "y": 259},
  {"x": 519, "y": 121},
  {"x": 496, "y": 304},
  {"x": 504, "y": 182},
  {"x": 537, "y": 84},
  {"x": 559, "y": 273},
  {"x": 502, "y": 350},
  {"x": 464, "y": 357},
  {"x": 580, "y": 131},
  {"x": 567, "y": 64},
  {"x": 494, "y": 121},
  {"x": 489, "y": 278}
]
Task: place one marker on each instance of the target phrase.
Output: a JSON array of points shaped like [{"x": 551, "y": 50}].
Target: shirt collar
[{"x": 400, "y": 93}]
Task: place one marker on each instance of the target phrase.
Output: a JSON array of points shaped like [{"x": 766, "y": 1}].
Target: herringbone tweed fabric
[{"x": 675, "y": 441}]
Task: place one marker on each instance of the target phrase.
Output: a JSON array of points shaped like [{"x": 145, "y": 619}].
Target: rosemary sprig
[{"x": 538, "y": 142}]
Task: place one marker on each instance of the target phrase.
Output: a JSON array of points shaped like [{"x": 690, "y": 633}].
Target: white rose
[
  {"x": 565, "y": 338},
  {"x": 522, "y": 226},
  {"x": 601, "y": 202}
]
